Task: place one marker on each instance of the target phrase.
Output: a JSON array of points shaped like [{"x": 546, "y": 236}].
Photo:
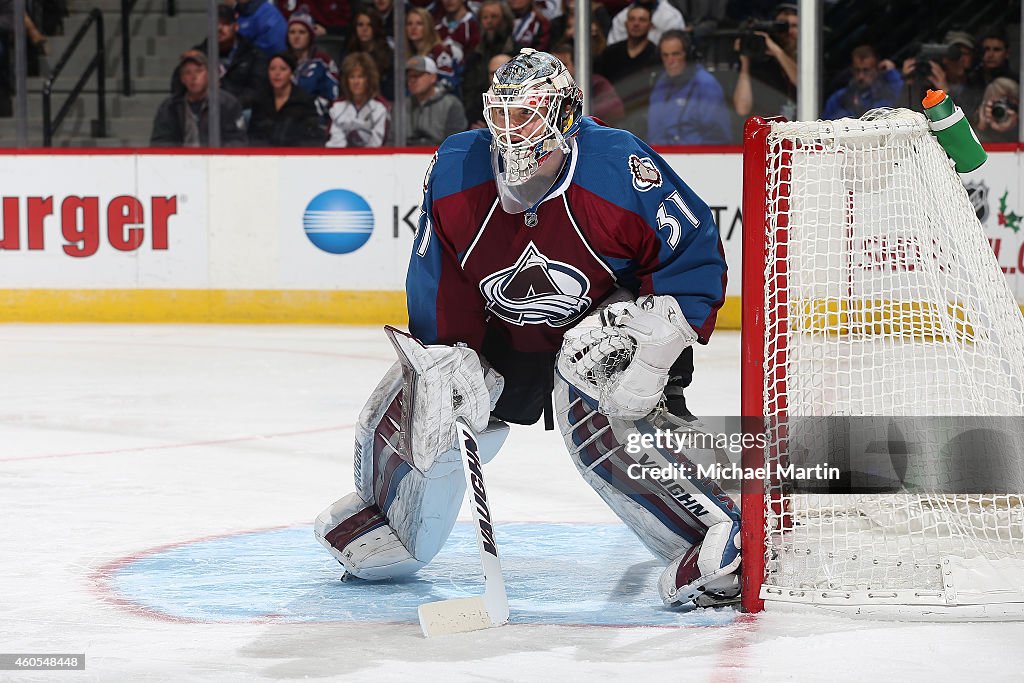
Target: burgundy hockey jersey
[{"x": 619, "y": 216}]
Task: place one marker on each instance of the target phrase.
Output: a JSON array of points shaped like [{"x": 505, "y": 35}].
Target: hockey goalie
[{"x": 559, "y": 266}]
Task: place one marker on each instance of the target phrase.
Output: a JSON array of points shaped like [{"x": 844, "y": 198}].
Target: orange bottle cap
[{"x": 932, "y": 98}]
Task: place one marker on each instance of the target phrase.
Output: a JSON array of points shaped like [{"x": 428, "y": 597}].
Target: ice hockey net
[{"x": 870, "y": 290}]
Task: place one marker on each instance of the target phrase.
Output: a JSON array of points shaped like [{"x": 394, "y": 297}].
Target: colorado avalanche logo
[
  {"x": 978, "y": 193},
  {"x": 537, "y": 290},
  {"x": 645, "y": 174}
]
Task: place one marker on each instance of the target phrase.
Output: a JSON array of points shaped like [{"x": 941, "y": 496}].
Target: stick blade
[{"x": 459, "y": 615}]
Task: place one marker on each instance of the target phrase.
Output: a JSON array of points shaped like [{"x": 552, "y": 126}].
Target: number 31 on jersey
[{"x": 666, "y": 220}]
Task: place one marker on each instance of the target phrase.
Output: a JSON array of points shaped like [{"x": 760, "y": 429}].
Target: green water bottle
[{"x": 953, "y": 131}]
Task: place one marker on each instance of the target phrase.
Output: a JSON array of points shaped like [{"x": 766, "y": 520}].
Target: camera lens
[
  {"x": 922, "y": 68},
  {"x": 1000, "y": 110}
]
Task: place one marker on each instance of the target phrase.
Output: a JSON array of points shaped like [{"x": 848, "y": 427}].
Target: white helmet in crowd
[{"x": 532, "y": 107}]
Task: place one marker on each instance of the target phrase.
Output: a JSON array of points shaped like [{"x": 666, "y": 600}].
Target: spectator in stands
[
  {"x": 433, "y": 114},
  {"x": 873, "y": 84},
  {"x": 181, "y": 120},
  {"x": 422, "y": 41},
  {"x": 605, "y": 103},
  {"x": 766, "y": 84},
  {"x": 563, "y": 27},
  {"x": 458, "y": 28},
  {"x": 36, "y": 39},
  {"x": 243, "y": 68},
  {"x": 36, "y": 47},
  {"x": 664, "y": 17},
  {"x": 637, "y": 52},
  {"x": 995, "y": 60},
  {"x": 549, "y": 9},
  {"x": 386, "y": 11},
  {"x": 261, "y": 24},
  {"x": 330, "y": 17},
  {"x": 496, "y": 21},
  {"x": 368, "y": 36},
  {"x": 315, "y": 71},
  {"x": 497, "y": 61},
  {"x": 631, "y": 65},
  {"x": 360, "y": 118},
  {"x": 687, "y": 105},
  {"x": 530, "y": 28},
  {"x": 286, "y": 116},
  {"x": 495, "y": 39},
  {"x": 999, "y": 114}
]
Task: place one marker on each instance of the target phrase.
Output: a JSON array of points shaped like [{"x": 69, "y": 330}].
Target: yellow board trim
[
  {"x": 202, "y": 306},
  {"x": 345, "y": 307},
  {"x": 251, "y": 306},
  {"x": 730, "y": 314},
  {"x": 911, "y": 320}
]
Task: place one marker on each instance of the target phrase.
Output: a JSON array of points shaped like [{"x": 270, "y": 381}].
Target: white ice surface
[{"x": 117, "y": 439}]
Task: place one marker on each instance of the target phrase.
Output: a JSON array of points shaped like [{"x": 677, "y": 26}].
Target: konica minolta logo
[{"x": 338, "y": 221}]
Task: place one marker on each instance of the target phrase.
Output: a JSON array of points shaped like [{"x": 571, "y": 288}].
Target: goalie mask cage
[{"x": 870, "y": 289}]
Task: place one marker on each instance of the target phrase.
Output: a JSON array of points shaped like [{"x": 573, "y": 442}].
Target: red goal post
[{"x": 755, "y": 185}]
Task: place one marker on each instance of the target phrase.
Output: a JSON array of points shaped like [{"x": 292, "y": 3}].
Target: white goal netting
[{"x": 883, "y": 298}]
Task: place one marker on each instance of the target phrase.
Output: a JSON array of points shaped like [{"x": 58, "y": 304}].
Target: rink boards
[{"x": 323, "y": 237}]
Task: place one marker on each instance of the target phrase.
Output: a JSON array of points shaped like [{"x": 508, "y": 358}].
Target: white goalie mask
[{"x": 532, "y": 108}]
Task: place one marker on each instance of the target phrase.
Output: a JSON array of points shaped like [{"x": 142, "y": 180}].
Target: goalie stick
[{"x": 459, "y": 615}]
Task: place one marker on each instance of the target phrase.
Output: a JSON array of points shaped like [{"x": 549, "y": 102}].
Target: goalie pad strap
[
  {"x": 705, "y": 574},
  {"x": 356, "y": 534},
  {"x": 355, "y": 526}
]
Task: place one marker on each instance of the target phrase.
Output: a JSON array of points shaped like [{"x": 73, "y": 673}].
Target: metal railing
[
  {"x": 97, "y": 64},
  {"x": 127, "y": 7}
]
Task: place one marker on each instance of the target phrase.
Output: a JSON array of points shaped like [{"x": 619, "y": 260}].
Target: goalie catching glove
[{"x": 620, "y": 356}]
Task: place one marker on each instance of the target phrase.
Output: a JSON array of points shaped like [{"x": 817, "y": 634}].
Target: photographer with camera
[
  {"x": 873, "y": 84},
  {"x": 767, "y": 80},
  {"x": 998, "y": 114},
  {"x": 942, "y": 66}
]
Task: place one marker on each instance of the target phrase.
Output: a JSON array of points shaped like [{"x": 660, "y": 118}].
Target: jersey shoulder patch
[{"x": 619, "y": 166}]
